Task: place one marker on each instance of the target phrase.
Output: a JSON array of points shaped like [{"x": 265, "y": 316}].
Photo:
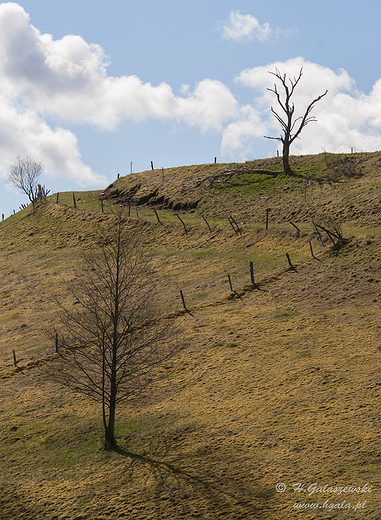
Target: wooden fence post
[
  {"x": 181, "y": 220},
  {"x": 237, "y": 226},
  {"x": 230, "y": 283},
  {"x": 318, "y": 232},
  {"x": 206, "y": 222},
  {"x": 14, "y": 358},
  {"x": 74, "y": 201},
  {"x": 234, "y": 225},
  {"x": 56, "y": 341},
  {"x": 297, "y": 229},
  {"x": 157, "y": 216},
  {"x": 267, "y": 218},
  {"x": 57, "y": 197},
  {"x": 312, "y": 252},
  {"x": 289, "y": 261},
  {"x": 151, "y": 165},
  {"x": 183, "y": 301},
  {"x": 102, "y": 206},
  {"x": 252, "y": 273}
]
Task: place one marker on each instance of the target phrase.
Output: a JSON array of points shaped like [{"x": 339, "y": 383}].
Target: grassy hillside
[{"x": 279, "y": 382}]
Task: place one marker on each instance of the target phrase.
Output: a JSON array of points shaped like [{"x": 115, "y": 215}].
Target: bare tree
[
  {"x": 24, "y": 175},
  {"x": 291, "y": 126},
  {"x": 113, "y": 337}
]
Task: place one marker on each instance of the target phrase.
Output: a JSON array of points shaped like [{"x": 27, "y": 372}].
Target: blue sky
[{"x": 87, "y": 87}]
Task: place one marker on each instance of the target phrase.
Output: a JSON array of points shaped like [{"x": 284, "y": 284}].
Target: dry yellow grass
[{"x": 279, "y": 383}]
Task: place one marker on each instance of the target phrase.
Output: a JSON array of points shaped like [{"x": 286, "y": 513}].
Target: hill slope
[{"x": 280, "y": 382}]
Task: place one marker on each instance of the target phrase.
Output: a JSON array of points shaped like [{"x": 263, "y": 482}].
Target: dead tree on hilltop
[{"x": 291, "y": 127}]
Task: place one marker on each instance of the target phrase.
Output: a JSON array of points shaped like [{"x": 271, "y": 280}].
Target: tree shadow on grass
[{"x": 186, "y": 491}]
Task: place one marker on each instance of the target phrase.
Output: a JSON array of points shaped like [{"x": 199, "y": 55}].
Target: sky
[{"x": 94, "y": 89}]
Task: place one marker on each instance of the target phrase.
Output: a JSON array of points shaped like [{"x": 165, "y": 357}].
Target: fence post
[
  {"x": 74, "y": 201},
  {"x": 58, "y": 197},
  {"x": 267, "y": 218},
  {"x": 312, "y": 252},
  {"x": 102, "y": 206},
  {"x": 157, "y": 216},
  {"x": 183, "y": 301},
  {"x": 56, "y": 341},
  {"x": 230, "y": 283},
  {"x": 151, "y": 165},
  {"x": 181, "y": 220},
  {"x": 206, "y": 222},
  {"x": 297, "y": 229},
  {"x": 14, "y": 358},
  {"x": 289, "y": 261},
  {"x": 237, "y": 231},
  {"x": 252, "y": 273}
]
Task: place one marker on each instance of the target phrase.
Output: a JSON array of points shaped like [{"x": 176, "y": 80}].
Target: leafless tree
[
  {"x": 291, "y": 126},
  {"x": 113, "y": 337},
  {"x": 24, "y": 175}
]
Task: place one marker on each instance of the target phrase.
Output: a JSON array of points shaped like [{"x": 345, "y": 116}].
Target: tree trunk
[
  {"x": 109, "y": 441},
  {"x": 286, "y": 154}
]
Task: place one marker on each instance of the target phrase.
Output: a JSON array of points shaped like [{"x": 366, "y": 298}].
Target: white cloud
[
  {"x": 346, "y": 117},
  {"x": 67, "y": 80},
  {"x": 245, "y": 27}
]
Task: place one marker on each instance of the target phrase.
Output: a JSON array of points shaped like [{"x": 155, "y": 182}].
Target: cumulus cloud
[
  {"x": 67, "y": 79},
  {"x": 245, "y": 27},
  {"x": 346, "y": 117}
]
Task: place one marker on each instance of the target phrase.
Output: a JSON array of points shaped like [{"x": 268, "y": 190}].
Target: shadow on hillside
[{"x": 186, "y": 489}]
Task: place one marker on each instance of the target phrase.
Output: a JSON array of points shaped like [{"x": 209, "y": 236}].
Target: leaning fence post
[
  {"x": 230, "y": 283},
  {"x": 157, "y": 216},
  {"x": 206, "y": 222},
  {"x": 312, "y": 252},
  {"x": 296, "y": 227},
  {"x": 14, "y": 358},
  {"x": 102, "y": 206},
  {"x": 181, "y": 220},
  {"x": 237, "y": 226},
  {"x": 74, "y": 201},
  {"x": 183, "y": 300},
  {"x": 58, "y": 197},
  {"x": 289, "y": 261}
]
